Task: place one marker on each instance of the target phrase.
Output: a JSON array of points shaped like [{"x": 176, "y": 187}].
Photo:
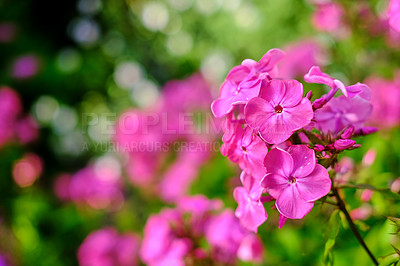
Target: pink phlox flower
[
  {"x": 342, "y": 112},
  {"x": 225, "y": 234},
  {"x": 279, "y": 110},
  {"x": 161, "y": 245},
  {"x": 246, "y": 149},
  {"x": 295, "y": 180},
  {"x": 250, "y": 210},
  {"x": 243, "y": 82}
]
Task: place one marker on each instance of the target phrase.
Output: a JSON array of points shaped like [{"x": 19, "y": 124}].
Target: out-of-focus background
[{"x": 69, "y": 70}]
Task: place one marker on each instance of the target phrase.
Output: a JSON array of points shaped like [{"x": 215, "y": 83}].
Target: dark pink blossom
[
  {"x": 295, "y": 180},
  {"x": 244, "y": 82},
  {"x": 279, "y": 110}
]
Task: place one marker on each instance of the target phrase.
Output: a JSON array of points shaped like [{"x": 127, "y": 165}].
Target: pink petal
[
  {"x": 314, "y": 186},
  {"x": 275, "y": 184},
  {"x": 238, "y": 73},
  {"x": 359, "y": 89},
  {"x": 291, "y": 204},
  {"x": 282, "y": 220},
  {"x": 303, "y": 160},
  {"x": 273, "y": 92},
  {"x": 251, "y": 213},
  {"x": 276, "y": 129},
  {"x": 270, "y": 59},
  {"x": 300, "y": 115},
  {"x": 279, "y": 162},
  {"x": 293, "y": 93},
  {"x": 315, "y": 75},
  {"x": 252, "y": 185},
  {"x": 256, "y": 111},
  {"x": 221, "y": 106}
]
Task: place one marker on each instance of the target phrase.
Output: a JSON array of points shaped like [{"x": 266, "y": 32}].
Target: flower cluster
[
  {"x": 282, "y": 141},
  {"x": 175, "y": 236}
]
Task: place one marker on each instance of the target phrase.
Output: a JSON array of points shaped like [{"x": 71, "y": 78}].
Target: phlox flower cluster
[
  {"x": 176, "y": 236},
  {"x": 282, "y": 141},
  {"x": 176, "y": 127}
]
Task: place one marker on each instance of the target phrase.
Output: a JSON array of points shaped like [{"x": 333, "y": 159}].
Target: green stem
[{"x": 353, "y": 227}]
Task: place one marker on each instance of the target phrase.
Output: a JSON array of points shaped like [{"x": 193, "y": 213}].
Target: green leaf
[{"x": 331, "y": 234}]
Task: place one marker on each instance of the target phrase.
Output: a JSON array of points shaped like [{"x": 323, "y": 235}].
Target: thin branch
[{"x": 353, "y": 227}]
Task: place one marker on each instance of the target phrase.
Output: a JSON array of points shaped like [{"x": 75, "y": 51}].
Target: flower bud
[
  {"x": 342, "y": 144},
  {"x": 347, "y": 133}
]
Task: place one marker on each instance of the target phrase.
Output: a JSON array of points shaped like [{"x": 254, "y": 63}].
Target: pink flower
[
  {"x": 160, "y": 245},
  {"x": 342, "y": 112},
  {"x": 295, "y": 180},
  {"x": 244, "y": 82},
  {"x": 385, "y": 97},
  {"x": 279, "y": 110},
  {"x": 106, "y": 247},
  {"x": 394, "y": 14},
  {"x": 329, "y": 18},
  {"x": 246, "y": 149},
  {"x": 226, "y": 236},
  {"x": 250, "y": 210},
  {"x": 300, "y": 57}
]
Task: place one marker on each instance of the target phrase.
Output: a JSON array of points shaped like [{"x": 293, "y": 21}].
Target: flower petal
[
  {"x": 256, "y": 111},
  {"x": 221, "y": 106},
  {"x": 314, "y": 186},
  {"x": 274, "y": 92},
  {"x": 275, "y": 184},
  {"x": 251, "y": 213},
  {"x": 293, "y": 93},
  {"x": 291, "y": 204},
  {"x": 298, "y": 116},
  {"x": 279, "y": 162},
  {"x": 303, "y": 160}
]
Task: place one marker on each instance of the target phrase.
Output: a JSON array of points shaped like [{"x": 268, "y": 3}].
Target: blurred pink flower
[
  {"x": 329, "y": 17},
  {"x": 25, "y": 66},
  {"x": 362, "y": 213},
  {"x": 226, "y": 236},
  {"x": 98, "y": 186},
  {"x": 173, "y": 236},
  {"x": 106, "y": 247},
  {"x": 300, "y": 57},
  {"x": 385, "y": 97},
  {"x": 27, "y": 169}
]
